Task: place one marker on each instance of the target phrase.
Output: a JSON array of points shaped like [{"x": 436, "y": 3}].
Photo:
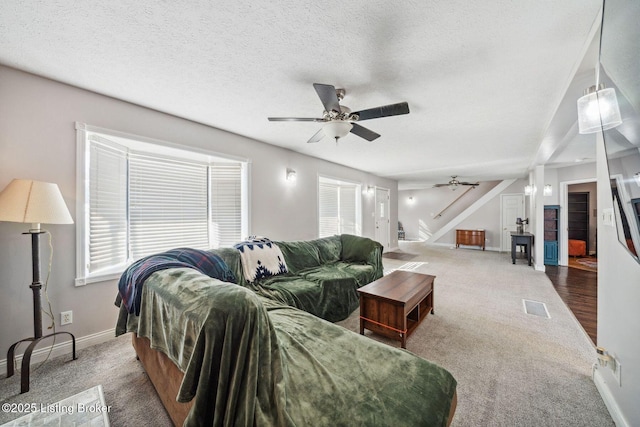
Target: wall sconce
[
  {"x": 636, "y": 178},
  {"x": 528, "y": 190},
  {"x": 548, "y": 190},
  {"x": 598, "y": 109},
  {"x": 291, "y": 176},
  {"x": 411, "y": 200},
  {"x": 370, "y": 190}
]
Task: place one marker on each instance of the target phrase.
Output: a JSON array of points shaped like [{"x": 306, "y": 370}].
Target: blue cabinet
[
  {"x": 551, "y": 233},
  {"x": 550, "y": 253}
]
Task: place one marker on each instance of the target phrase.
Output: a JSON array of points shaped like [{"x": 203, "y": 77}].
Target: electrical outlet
[{"x": 66, "y": 317}]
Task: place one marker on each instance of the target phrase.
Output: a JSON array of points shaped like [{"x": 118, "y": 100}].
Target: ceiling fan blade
[
  {"x": 295, "y": 119},
  {"x": 317, "y": 136},
  {"x": 383, "y": 111},
  {"x": 363, "y": 132},
  {"x": 441, "y": 185},
  {"x": 328, "y": 96},
  {"x": 469, "y": 183}
]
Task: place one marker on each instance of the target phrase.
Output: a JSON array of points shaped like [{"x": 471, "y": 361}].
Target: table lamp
[{"x": 33, "y": 202}]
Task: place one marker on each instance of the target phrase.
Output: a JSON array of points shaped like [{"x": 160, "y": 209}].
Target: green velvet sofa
[{"x": 323, "y": 274}]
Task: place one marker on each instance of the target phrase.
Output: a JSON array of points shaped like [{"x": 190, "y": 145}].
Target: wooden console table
[
  {"x": 395, "y": 304},
  {"x": 470, "y": 238}
]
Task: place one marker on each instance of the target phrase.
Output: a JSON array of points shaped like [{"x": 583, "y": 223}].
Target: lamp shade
[
  {"x": 33, "y": 202},
  {"x": 598, "y": 110}
]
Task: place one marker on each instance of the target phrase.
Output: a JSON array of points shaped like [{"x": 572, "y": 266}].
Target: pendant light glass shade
[
  {"x": 337, "y": 129},
  {"x": 598, "y": 110}
]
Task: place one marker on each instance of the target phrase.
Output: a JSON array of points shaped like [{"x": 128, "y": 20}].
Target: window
[
  {"x": 338, "y": 207},
  {"x": 142, "y": 197}
]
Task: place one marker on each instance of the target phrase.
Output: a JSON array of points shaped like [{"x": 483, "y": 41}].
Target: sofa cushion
[
  {"x": 231, "y": 257},
  {"x": 330, "y": 248},
  {"x": 331, "y": 298},
  {"x": 300, "y": 255},
  {"x": 361, "y": 273},
  {"x": 357, "y": 249}
]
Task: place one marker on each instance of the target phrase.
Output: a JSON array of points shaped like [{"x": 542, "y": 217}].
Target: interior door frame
[
  {"x": 387, "y": 244},
  {"x": 563, "y": 239}
]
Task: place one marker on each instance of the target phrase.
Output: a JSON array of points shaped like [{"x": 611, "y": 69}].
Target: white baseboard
[
  {"x": 59, "y": 349},
  {"x": 603, "y": 388}
]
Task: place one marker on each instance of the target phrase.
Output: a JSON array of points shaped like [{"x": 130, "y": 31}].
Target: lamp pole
[{"x": 36, "y": 287}]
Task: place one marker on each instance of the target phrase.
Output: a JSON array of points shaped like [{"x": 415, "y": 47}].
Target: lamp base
[{"x": 26, "y": 358}]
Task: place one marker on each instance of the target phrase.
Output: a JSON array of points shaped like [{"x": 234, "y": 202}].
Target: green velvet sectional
[{"x": 323, "y": 274}]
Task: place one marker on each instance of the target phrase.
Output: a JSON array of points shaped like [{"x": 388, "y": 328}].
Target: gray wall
[
  {"x": 618, "y": 314},
  {"x": 38, "y": 141},
  {"x": 418, "y": 218}
]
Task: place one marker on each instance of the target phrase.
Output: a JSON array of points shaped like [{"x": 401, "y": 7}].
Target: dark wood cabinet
[{"x": 470, "y": 238}]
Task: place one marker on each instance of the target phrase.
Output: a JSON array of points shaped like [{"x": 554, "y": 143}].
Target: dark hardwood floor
[{"x": 579, "y": 291}]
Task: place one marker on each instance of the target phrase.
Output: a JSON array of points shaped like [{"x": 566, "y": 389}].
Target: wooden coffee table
[{"x": 395, "y": 304}]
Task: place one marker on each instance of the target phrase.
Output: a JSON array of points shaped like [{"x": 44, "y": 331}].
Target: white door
[
  {"x": 511, "y": 208},
  {"x": 383, "y": 227}
]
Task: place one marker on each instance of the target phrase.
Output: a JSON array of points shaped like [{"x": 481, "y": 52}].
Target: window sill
[{"x": 83, "y": 281}]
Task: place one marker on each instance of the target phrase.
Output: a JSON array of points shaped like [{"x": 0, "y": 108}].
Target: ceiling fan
[
  {"x": 454, "y": 183},
  {"x": 340, "y": 120}
]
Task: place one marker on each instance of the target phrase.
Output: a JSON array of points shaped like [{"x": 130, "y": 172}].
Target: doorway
[
  {"x": 578, "y": 224},
  {"x": 383, "y": 225}
]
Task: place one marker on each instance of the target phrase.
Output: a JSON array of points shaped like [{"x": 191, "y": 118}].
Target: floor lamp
[{"x": 33, "y": 202}]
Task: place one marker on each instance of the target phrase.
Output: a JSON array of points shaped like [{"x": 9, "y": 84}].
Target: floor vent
[{"x": 535, "y": 308}]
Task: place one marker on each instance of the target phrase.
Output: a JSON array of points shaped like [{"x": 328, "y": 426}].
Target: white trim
[
  {"x": 138, "y": 138},
  {"x": 563, "y": 227},
  {"x": 607, "y": 397},
  {"x": 83, "y": 131},
  {"x": 62, "y": 348}
]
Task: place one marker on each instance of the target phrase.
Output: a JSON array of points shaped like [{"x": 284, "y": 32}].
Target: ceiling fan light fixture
[
  {"x": 598, "y": 110},
  {"x": 337, "y": 129}
]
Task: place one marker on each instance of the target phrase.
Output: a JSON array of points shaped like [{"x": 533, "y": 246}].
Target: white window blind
[
  {"x": 226, "y": 204},
  {"x": 329, "y": 216},
  {"x": 107, "y": 206},
  {"x": 168, "y": 205},
  {"x": 141, "y": 198},
  {"x": 348, "y": 209},
  {"x": 338, "y": 208}
]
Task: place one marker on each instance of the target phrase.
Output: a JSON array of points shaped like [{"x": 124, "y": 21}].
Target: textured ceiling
[{"x": 483, "y": 79}]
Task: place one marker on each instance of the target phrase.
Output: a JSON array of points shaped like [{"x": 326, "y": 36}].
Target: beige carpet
[
  {"x": 512, "y": 368},
  {"x": 87, "y": 408}
]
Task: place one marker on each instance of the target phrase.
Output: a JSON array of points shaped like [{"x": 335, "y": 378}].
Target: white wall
[
  {"x": 618, "y": 314},
  {"x": 38, "y": 141}
]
